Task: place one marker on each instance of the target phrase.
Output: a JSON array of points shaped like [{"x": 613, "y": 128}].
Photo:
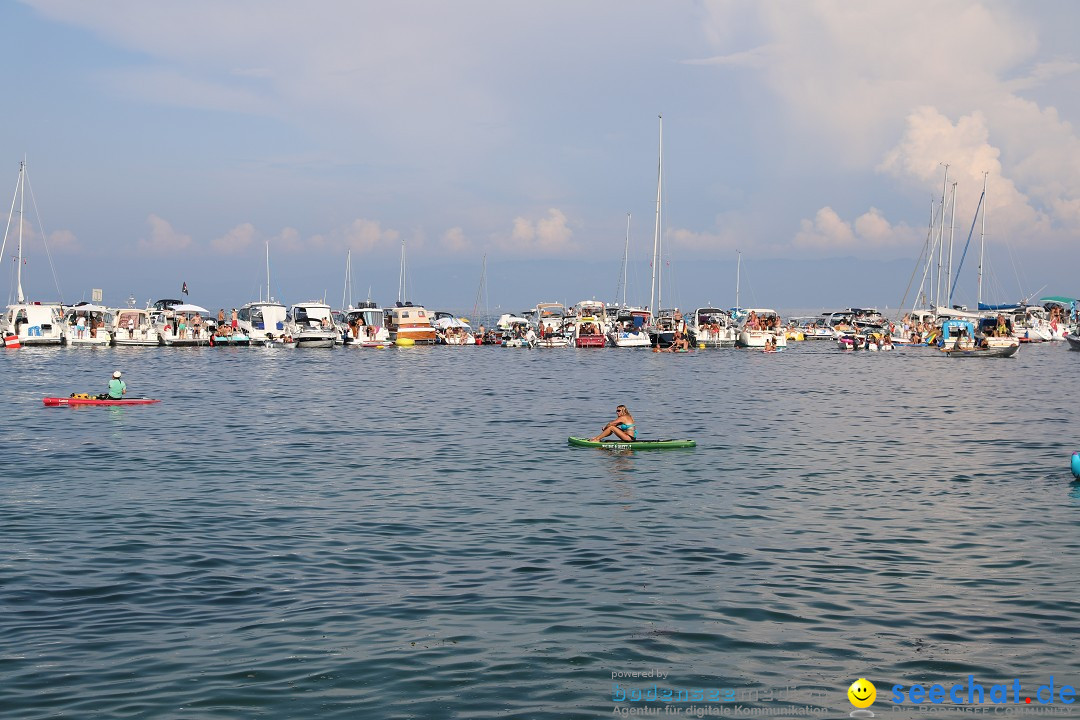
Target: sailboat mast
[
  {"x": 952, "y": 235},
  {"x": 982, "y": 244},
  {"x": 345, "y": 287},
  {"x": 401, "y": 275},
  {"x": 268, "y": 295},
  {"x": 19, "y": 297},
  {"x": 625, "y": 257},
  {"x": 738, "y": 272},
  {"x": 654, "y": 286},
  {"x": 941, "y": 238}
]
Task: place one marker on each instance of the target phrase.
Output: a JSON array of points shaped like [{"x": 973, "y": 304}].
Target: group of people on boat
[{"x": 754, "y": 322}]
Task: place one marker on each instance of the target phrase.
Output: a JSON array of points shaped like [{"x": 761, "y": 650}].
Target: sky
[{"x": 183, "y": 142}]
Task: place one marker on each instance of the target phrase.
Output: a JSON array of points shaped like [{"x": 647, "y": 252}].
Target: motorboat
[
  {"x": 133, "y": 327},
  {"x": 759, "y": 325},
  {"x": 588, "y": 332},
  {"x": 408, "y": 322},
  {"x": 261, "y": 321},
  {"x": 88, "y": 325},
  {"x": 713, "y": 327},
  {"x": 365, "y": 326},
  {"x": 452, "y": 330},
  {"x": 312, "y": 325},
  {"x": 180, "y": 324},
  {"x": 629, "y": 328},
  {"x": 960, "y": 339}
]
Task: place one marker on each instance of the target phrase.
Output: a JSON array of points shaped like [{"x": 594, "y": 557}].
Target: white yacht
[
  {"x": 313, "y": 325},
  {"x": 180, "y": 324},
  {"x": 262, "y": 320},
  {"x": 712, "y": 327},
  {"x": 89, "y": 325},
  {"x": 35, "y": 323},
  {"x": 452, "y": 330},
  {"x": 630, "y": 328},
  {"x": 366, "y": 326},
  {"x": 755, "y": 329},
  {"x": 133, "y": 326}
]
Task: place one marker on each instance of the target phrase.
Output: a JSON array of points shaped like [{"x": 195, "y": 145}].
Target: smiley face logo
[{"x": 862, "y": 693}]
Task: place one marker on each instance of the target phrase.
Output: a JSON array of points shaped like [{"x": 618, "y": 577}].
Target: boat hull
[
  {"x": 590, "y": 341},
  {"x": 992, "y": 352},
  {"x": 635, "y": 445},
  {"x": 71, "y": 402}
]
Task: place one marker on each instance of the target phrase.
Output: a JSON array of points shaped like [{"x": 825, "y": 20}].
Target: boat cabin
[{"x": 958, "y": 334}]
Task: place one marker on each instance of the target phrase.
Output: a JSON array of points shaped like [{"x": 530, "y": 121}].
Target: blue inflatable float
[{"x": 1076, "y": 464}]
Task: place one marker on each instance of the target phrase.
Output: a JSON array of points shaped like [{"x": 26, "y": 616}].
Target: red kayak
[{"x": 64, "y": 402}]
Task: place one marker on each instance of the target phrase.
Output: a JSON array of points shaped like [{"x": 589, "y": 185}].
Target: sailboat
[
  {"x": 630, "y": 328},
  {"x": 408, "y": 324},
  {"x": 365, "y": 324},
  {"x": 28, "y": 323},
  {"x": 666, "y": 322},
  {"x": 263, "y": 321}
]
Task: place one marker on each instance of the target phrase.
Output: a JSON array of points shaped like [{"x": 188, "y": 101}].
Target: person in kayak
[
  {"x": 117, "y": 387},
  {"x": 621, "y": 427}
]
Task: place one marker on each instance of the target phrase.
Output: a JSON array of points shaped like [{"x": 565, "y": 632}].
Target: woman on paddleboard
[
  {"x": 621, "y": 427},
  {"x": 117, "y": 387}
]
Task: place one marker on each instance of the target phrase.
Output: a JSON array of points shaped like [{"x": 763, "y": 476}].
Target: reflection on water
[{"x": 406, "y": 533}]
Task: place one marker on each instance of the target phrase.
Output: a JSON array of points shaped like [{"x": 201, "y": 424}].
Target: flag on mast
[{"x": 184, "y": 289}]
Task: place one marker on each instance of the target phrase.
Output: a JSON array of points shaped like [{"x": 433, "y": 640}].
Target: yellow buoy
[
  {"x": 404, "y": 342},
  {"x": 701, "y": 346}
]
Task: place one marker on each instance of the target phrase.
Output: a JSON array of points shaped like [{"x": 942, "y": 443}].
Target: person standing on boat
[
  {"x": 117, "y": 387},
  {"x": 621, "y": 427}
]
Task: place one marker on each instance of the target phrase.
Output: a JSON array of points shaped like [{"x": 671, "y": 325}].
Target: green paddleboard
[{"x": 636, "y": 445}]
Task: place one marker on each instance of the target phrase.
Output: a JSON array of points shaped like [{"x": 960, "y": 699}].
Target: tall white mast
[
  {"x": 22, "y": 202},
  {"x": 19, "y": 297},
  {"x": 738, "y": 271},
  {"x": 655, "y": 285},
  {"x": 625, "y": 257},
  {"x": 982, "y": 243},
  {"x": 941, "y": 238},
  {"x": 952, "y": 234},
  {"x": 268, "y": 296},
  {"x": 401, "y": 275}
]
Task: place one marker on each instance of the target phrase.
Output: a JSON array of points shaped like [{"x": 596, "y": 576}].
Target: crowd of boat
[{"x": 990, "y": 332}]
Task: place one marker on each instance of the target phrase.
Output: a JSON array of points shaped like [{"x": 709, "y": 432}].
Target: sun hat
[{"x": 116, "y": 374}]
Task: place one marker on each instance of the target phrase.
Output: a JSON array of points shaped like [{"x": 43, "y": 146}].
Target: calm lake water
[{"x": 406, "y": 534}]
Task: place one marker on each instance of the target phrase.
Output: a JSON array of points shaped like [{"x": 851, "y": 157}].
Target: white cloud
[
  {"x": 546, "y": 236},
  {"x": 366, "y": 235},
  {"x": 64, "y": 241},
  {"x": 236, "y": 240},
  {"x": 855, "y": 77},
  {"x": 870, "y": 232},
  {"x": 932, "y": 139},
  {"x": 163, "y": 238},
  {"x": 455, "y": 241}
]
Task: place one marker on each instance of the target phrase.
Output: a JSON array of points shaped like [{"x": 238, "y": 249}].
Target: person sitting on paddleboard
[
  {"x": 621, "y": 427},
  {"x": 117, "y": 388}
]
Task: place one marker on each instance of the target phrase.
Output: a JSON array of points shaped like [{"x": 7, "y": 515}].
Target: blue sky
[{"x": 169, "y": 142}]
